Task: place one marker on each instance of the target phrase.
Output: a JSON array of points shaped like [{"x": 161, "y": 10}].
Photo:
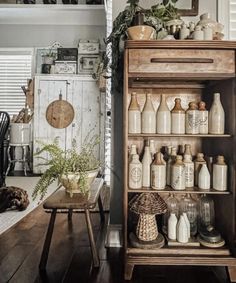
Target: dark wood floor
[{"x": 70, "y": 259}]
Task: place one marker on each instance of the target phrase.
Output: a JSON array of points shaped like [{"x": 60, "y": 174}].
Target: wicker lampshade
[{"x": 148, "y": 203}]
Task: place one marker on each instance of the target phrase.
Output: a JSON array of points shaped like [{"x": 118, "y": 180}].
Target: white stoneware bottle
[
  {"x": 146, "y": 167},
  {"x": 197, "y": 166},
  {"x": 192, "y": 119},
  {"x": 178, "y": 174},
  {"x": 189, "y": 171},
  {"x": 135, "y": 173},
  {"x": 220, "y": 174},
  {"x": 216, "y": 116},
  {"x": 158, "y": 173},
  {"x": 152, "y": 148},
  {"x": 204, "y": 178},
  {"x": 134, "y": 115},
  {"x": 133, "y": 150},
  {"x": 177, "y": 118},
  {"x": 198, "y": 33},
  {"x": 207, "y": 33},
  {"x": 187, "y": 222},
  {"x": 148, "y": 117},
  {"x": 163, "y": 117},
  {"x": 184, "y": 32},
  {"x": 182, "y": 230},
  {"x": 172, "y": 225},
  {"x": 203, "y": 118}
]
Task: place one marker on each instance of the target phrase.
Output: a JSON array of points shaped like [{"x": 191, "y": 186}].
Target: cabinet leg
[
  {"x": 231, "y": 273},
  {"x": 128, "y": 271}
]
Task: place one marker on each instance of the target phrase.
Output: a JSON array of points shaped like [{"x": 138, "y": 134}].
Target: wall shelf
[
  {"x": 58, "y": 14},
  {"x": 177, "y": 136}
]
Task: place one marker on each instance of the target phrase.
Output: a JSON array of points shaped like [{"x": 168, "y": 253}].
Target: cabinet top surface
[{"x": 188, "y": 44}]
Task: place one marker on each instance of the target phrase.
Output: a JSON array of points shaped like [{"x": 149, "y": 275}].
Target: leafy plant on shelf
[
  {"x": 62, "y": 162},
  {"x": 156, "y": 17}
]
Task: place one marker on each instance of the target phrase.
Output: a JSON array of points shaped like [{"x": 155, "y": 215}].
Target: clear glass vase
[{"x": 206, "y": 213}]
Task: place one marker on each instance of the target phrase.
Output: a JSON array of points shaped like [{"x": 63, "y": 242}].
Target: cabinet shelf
[
  {"x": 194, "y": 190},
  {"x": 57, "y": 14},
  {"x": 177, "y": 136}
]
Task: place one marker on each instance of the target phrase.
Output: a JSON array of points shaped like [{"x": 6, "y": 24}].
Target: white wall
[{"x": 45, "y": 35}]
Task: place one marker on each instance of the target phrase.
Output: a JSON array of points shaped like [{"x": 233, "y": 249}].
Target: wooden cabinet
[
  {"x": 88, "y": 104},
  {"x": 192, "y": 71}
]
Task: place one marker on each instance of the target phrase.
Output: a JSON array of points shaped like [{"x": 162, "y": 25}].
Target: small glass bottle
[
  {"x": 178, "y": 174},
  {"x": 158, "y": 173},
  {"x": 203, "y": 118},
  {"x": 146, "y": 167},
  {"x": 148, "y": 117},
  {"x": 134, "y": 115},
  {"x": 197, "y": 166},
  {"x": 177, "y": 118},
  {"x": 204, "y": 179},
  {"x": 163, "y": 117},
  {"x": 220, "y": 174},
  {"x": 192, "y": 119},
  {"x": 216, "y": 117},
  {"x": 135, "y": 173},
  {"x": 172, "y": 207}
]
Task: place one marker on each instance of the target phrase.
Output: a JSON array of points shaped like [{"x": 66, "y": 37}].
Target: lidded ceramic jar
[
  {"x": 178, "y": 174},
  {"x": 220, "y": 174},
  {"x": 134, "y": 115},
  {"x": 135, "y": 173},
  {"x": 217, "y": 117},
  {"x": 192, "y": 119},
  {"x": 197, "y": 166},
  {"x": 148, "y": 117},
  {"x": 163, "y": 117},
  {"x": 177, "y": 118},
  {"x": 203, "y": 118},
  {"x": 158, "y": 173}
]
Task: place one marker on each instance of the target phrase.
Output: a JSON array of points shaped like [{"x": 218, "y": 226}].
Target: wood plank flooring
[{"x": 70, "y": 259}]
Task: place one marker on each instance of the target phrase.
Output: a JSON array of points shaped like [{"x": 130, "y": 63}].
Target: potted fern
[{"x": 73, "y": 169}]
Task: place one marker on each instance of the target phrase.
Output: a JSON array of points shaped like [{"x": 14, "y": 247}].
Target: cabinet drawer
[{"x": 181, "y": 61}]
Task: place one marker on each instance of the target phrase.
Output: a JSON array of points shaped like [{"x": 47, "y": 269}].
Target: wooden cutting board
[{"x": 60, "y": 113}]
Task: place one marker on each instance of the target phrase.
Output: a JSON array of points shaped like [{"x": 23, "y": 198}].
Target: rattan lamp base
[{"x": 158, "y": 243}]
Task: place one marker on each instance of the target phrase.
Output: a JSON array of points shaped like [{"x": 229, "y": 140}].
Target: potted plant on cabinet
[{"x": 75, "y": 170}]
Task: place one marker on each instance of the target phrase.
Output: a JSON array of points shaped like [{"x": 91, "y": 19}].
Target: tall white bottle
[
  {"x": 134, "y": 115},
  {"x": 220, "y": 174},
  {"x": 187, "y": 222},
  {"x": 163, "y": 117},
  {"x": 148, "y": 117},
  {"x": 146, "y": 167},
  {"x": 216, "y": 116},
  {"x": 177, "y": 118},
  {"x": 172, "y": 226},
  {"x": 182, "y": 230},
  {"x": 178, "y": 174},
  {"x": 135, "y": 173},
  {"x": 204, "y": 179}
]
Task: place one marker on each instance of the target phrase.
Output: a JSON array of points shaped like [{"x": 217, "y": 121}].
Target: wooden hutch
[{"x": 191, "y": 70}]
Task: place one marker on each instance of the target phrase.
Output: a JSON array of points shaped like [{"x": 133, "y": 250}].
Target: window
[{"x": 15, "y": 69}]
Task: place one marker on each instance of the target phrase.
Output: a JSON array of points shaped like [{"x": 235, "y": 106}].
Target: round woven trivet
[{"x": 156, "y": 244}]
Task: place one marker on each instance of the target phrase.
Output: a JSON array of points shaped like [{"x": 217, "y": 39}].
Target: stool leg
[
  {"x": 101, "y": 211},
  {"x": 47, "y": 243},
  {"x": 24, "y": 158},
  {"x": 96, "y": 262},
  {"x": 9, "y": 160}
]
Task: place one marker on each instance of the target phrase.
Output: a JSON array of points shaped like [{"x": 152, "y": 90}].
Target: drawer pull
[{"x": 182, "y": 60}]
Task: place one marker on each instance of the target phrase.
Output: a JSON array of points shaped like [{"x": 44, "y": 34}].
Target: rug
[{"x": 10, "y": 218}]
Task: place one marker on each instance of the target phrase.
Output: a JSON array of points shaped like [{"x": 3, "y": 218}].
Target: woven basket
[{"x": 147, "y": 228}]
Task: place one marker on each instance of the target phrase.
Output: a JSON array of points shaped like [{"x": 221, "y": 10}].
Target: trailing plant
[
  {"x": 156, "y": 17},
  {"x": 62, "y": 162}
]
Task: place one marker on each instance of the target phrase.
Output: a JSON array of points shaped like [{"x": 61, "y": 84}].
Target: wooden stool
[{"x": 62, "y": 200}]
